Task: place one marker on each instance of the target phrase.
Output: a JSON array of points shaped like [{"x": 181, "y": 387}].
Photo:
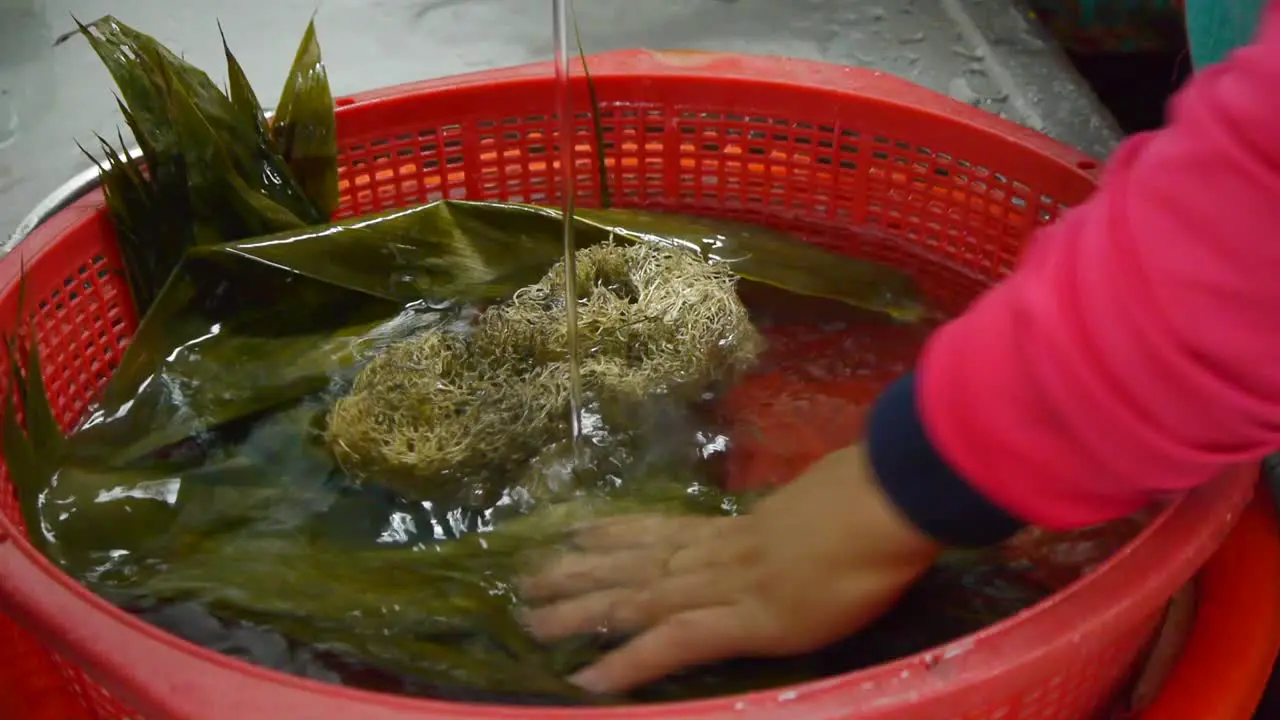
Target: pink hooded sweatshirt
[{"x": 1136, "y": 350}]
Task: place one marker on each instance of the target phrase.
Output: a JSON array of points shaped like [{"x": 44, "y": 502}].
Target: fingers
[
  {"x": 576, "y": 616},
  {"x": 627, "y": 610},
  {"x": 606, "y": 563},
  {"x": 579, "y": 573},
  {"x": 636, "y": 531},
  {"x": 671, "y": 580},
  {"x": 693, "y": 638}
]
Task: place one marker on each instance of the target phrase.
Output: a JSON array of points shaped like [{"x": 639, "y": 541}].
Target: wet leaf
[
  {"x": 26, "y": 473},
  {"x": 774, "y": 258},
  {"x": 288, "y": 311},
  {"x": 42, "y": 427},
  {"x": 33, "y": 448},
  {"x": 211, "y": 174},
  {"x": 447, "y": 610},
  {"x": 143, "y": 211},
  {"x": 243, "y": 98},
  {"x": 597, "y": 122},
  {"x": 304, "y": 129}
]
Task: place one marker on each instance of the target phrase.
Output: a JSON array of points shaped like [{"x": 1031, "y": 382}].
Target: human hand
[{"x": 812, "y": 563}]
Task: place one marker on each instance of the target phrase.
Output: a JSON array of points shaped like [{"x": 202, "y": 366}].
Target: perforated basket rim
[{"x": 163, "y": 676}]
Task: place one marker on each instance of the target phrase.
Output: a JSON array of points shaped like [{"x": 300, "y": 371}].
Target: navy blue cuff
[{"x": 916, "y": 478}]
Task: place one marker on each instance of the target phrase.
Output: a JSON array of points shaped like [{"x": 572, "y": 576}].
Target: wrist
[
  {"x": 920, "y": 482},
  {"x": 839, "y": 495},
  {"x": 884, "y": 513}
]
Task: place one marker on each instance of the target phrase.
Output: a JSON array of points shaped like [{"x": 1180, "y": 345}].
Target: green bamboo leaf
[
  {"x": 153, "y": 160},
  {"x": 204, "y": 152},
  {"x": 447, "y": 611},
  {"x": 25, "y": 472},
  {"x": 42, "y": 426},
  {"x": 215, "y": 180},
  {"x": 304, "y": 129},
  {"x": 136, "y": 78},
  {"x": 31, "y": 454},
  {"x": 774, "y": 258},
  {"x": 597, "y": 122},
  {"x": 306, "y": 299},
  {"x": 17, "y": 382},
  {"x": 269, "y": 216},
  {"x": 140, "y": 215},
  {"x": 243, "y": 98}
]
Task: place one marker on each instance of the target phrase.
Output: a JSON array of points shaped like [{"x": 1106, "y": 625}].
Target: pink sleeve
[{"x": 1136, "y": 350}]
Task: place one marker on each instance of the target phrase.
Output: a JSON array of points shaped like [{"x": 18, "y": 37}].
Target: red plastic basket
[
  {"x": 811, "y": 148},
  {"x": 1231, "y": 650}
]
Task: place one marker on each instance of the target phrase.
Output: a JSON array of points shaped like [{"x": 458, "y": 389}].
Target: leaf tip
[{"x": 226, "y": 49}]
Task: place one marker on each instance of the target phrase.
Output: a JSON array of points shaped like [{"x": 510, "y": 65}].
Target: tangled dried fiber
[{"x": 651, "y": 319}]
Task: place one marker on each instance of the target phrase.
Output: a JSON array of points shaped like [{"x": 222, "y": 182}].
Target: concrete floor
[{"x": 987, "y": 52}]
